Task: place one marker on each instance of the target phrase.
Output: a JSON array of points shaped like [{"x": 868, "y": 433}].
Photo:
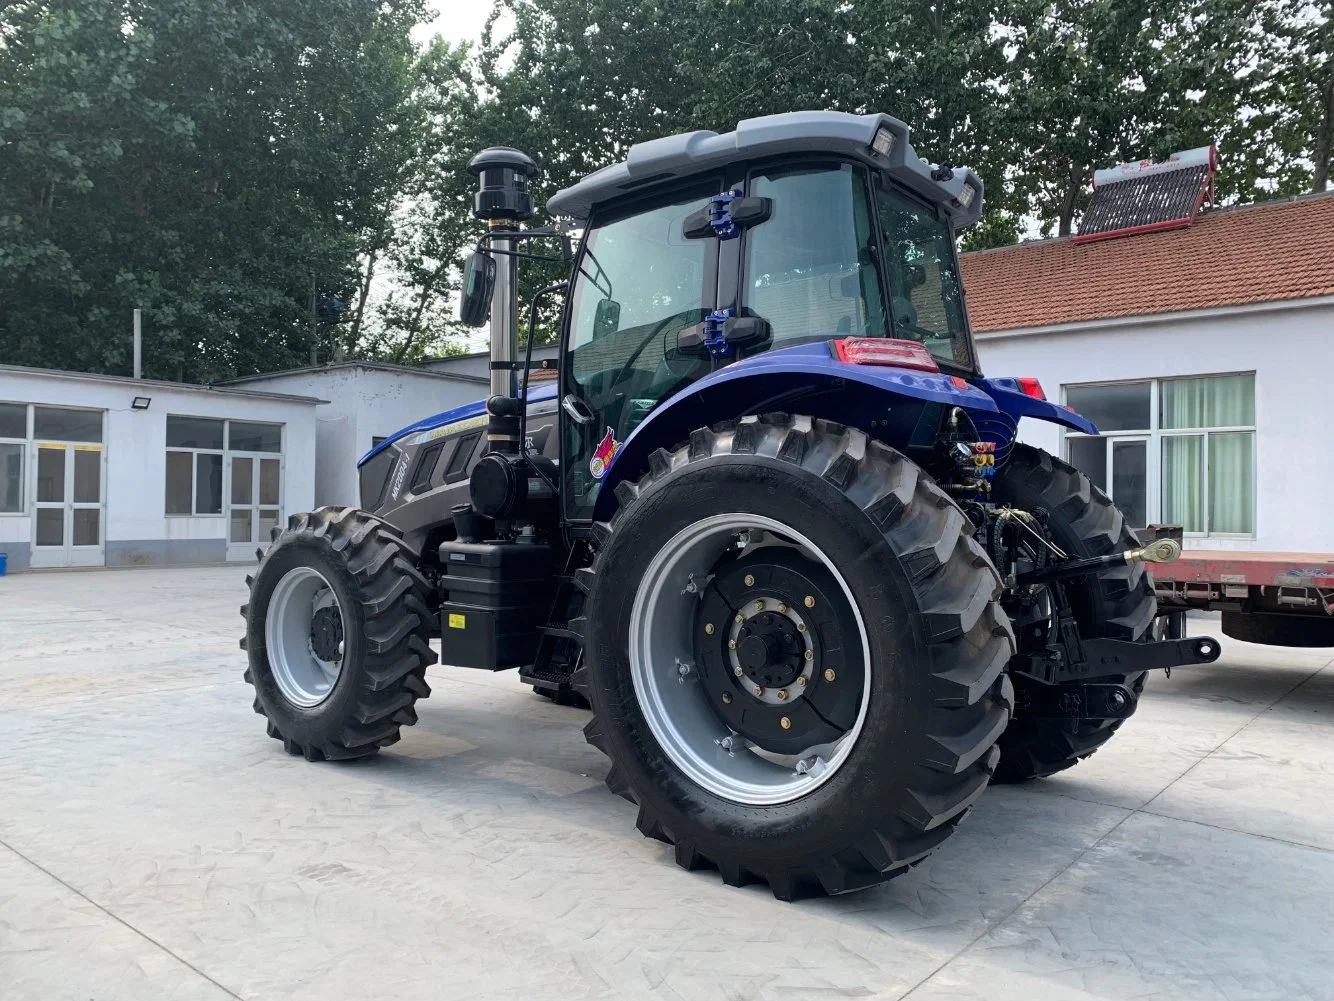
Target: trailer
[{"x": 1278, "y": 599}]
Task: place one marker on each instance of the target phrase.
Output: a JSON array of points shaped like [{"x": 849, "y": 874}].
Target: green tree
[{"x": 205, "y": 162}]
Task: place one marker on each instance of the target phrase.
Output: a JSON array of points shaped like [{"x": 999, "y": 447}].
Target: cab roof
[{"x": 690, "y": 153}]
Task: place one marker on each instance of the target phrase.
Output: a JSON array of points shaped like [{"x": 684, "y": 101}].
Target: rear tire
[
  {"x": 1118, "y": 604},
  {"x": 359, "y": 567},
  {"x": 923, "y": 748}
]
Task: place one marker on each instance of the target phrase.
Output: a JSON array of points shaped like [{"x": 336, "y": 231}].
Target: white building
[
  {"x": 106, "y": 470},
  {"x": 368, "y": 401},
  {"x": 1204, "y": 356}
]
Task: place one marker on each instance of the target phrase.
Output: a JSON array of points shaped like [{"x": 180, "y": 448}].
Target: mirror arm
[{"x": 518, "y": 253}]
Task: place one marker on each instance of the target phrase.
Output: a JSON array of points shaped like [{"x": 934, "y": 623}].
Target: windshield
[{"x": 922, "y": 272}]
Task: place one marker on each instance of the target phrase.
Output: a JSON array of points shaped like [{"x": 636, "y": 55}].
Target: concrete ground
[{"x": 154, "y": 843}]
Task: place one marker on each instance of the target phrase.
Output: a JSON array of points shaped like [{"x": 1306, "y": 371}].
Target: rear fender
[
  {"x": 1011, "y": 400},
  {"x": 885, "y": 401}
]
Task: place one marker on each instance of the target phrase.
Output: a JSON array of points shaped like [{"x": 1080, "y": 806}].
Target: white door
[
  {"x": 254, "y": 508},
  {"x": 68, "y": 505}
]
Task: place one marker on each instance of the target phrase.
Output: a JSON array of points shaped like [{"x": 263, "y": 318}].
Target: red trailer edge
[{"x": 1281, "y": 599}]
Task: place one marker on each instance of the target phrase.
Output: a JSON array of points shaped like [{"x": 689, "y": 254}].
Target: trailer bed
[{"x": 1221, "y": 567}]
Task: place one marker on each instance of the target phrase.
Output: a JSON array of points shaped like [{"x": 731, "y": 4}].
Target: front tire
[
  {"x": 337, "y": 635},
  {"x": 906, "y": 614}
]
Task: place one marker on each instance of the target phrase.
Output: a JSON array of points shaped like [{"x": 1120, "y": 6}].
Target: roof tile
[{"x": 1257, "y": 253}]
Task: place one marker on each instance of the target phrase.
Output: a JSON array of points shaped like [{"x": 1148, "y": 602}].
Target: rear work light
[
  {"x": 885, "y": 351},
  {"x": 1031, "y": 387},
  {"x": 884, "y": 141}
]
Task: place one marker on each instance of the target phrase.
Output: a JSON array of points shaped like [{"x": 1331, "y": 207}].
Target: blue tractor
[{"x": 771, "y": 524}]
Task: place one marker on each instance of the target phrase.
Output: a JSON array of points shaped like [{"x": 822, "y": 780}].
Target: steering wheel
[{"x": 658, "y": 328}]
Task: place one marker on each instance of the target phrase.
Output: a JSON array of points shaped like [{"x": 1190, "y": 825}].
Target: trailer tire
[
  {"x": 1278, "y": 629},
  {"x": 1119, "y": 604},
  {"x": 360, "y": 568},
  {"x": 924, "y": 746}
]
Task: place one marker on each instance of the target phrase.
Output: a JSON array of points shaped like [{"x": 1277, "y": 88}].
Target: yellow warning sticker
[{"x": 457, "y": 621}]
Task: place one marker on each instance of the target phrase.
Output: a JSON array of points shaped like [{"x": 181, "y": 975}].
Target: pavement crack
[{"x": 121, "y": 921}]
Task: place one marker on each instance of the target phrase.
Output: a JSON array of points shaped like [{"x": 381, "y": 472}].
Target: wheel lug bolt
[
  {"x": 828, "y": 674},
  {"x": 759, "y": 690},
  {"x": 801, "y": 627},
  {"x": 708, "y": 628},
  {"x": 759, "y": 606},
  {"x": 810, "y": 654},
  {"x": 785, "y": 723},
  {"x": 801, "y": 682},
  {"x": 782, "y": 607},
  {"x": 738, "y": 672},
  {"x": 782, "y": 695},
  {"x": 809, "y": 601},
  {"x": 731, "y": 644},
  {"x": 750, "y": 580},
  {"x": 740, "y": 618},
  {"x": 727, "y": 698}
]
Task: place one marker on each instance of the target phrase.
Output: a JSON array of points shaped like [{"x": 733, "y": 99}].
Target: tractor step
[
  {"x": 560, "y": 630},
  {"x": 554, "y": 675}
]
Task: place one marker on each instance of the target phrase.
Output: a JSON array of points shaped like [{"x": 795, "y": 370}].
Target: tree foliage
[
  {"x": 220, "y": 165},
  {"x": 213, "y": 164}
]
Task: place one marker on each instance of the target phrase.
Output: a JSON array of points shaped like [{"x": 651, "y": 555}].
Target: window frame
[
  {"x": 225, "y": 453},
  {"x": 879, "y": 182},
  {"x": 25, "y": 447},
  {"x": 712, "y": 292},
  {"x": 1155, "y": 436},
  {"x": 862, "y": 178}
]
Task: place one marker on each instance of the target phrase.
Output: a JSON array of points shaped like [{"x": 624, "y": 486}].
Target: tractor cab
[{"x": 702, "y": 250}]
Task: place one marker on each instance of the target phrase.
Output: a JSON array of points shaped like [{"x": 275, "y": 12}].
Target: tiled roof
[{"x": 1257, "y": 253}]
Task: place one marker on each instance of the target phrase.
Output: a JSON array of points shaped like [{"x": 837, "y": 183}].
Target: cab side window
[{"x": 810, "y": 269}]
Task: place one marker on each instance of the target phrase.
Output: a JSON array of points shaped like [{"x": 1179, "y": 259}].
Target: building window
[
  {"x": 13, "y": 450},
  {"x": 1173, "y": 451},
  {"x": 194, "y": 465},
  {"x": 244, "y": 437},
  {"x": 60, "y": 424}
]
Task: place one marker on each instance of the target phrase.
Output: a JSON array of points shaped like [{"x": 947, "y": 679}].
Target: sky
[{"x": 457, "y": 20}]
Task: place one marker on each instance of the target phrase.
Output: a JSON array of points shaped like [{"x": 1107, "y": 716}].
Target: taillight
[
  {"x": 885, "y": 351},
  {"x": 1031, "y": 387}
]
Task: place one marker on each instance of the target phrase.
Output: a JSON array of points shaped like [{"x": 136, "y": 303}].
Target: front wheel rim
[
  {"x": 304, "y": 635},
  {"x": 679, "y": 714}
]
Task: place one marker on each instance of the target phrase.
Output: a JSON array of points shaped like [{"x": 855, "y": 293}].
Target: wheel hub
[
  {"x": 326, "y": 634},
  {"x": 770, "y": 650},
  {"x": 766, "y": 669}
]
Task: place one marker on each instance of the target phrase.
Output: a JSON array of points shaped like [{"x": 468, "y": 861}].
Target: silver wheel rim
[
  {"x": 693, "y": 736},
  {"x": 304, "y": 678}
]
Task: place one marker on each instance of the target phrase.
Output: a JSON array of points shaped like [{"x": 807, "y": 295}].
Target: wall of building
[
  {"x": 1288, "y": 349},
  {"x": 478, "y": 364},
  {"x": 365, "y": 403},
  {"x": 136, "y": 528}
]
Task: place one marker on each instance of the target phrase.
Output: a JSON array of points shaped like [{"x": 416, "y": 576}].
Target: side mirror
[
  {"x": 479, "y": 279},
  {"x": 607, "y": 318}
]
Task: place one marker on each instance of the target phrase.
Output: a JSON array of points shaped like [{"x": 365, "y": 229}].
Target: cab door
[{"x": 638, "y": 282}]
